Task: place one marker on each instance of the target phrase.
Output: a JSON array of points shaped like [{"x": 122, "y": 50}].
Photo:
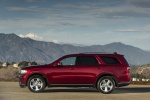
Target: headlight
[{"x": 23, "y": 71}]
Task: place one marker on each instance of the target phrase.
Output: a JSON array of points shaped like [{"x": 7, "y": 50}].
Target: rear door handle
[{"x": 72, "y": 68}]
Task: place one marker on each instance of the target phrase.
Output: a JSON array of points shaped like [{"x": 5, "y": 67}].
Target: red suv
[{"x": 100, "y": 70}]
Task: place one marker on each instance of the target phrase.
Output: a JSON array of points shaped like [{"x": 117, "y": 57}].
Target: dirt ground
[{"x": 12, "y": 91}]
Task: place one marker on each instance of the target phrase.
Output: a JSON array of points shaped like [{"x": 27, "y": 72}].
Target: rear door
[{"x": 87, "y": 69}]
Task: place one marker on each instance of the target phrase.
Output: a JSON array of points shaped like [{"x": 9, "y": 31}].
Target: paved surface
[{"x": 11, "y": 91}]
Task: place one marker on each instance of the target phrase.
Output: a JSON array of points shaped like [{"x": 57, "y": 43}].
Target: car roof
[{"x": 93, "y": 53}]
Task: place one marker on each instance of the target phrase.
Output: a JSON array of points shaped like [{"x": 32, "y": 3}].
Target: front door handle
[{"x": 98, "y": 68}]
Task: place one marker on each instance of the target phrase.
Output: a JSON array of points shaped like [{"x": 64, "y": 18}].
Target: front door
[{"x": 65, "y": 72}]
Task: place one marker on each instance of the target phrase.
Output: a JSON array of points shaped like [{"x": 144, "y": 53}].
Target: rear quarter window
[{"x": 110, "y": 60}]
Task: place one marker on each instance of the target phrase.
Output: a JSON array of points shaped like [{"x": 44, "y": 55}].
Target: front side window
[
  {"x": 87, "y": 60},
  {"x": 110, "y": 60},
  {"x": 68, "y": 61}
]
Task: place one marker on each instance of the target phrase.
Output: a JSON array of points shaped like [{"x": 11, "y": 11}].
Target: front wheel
[
  {"x": 36, "y": 83},
  {"x": 105, "y": 85}
]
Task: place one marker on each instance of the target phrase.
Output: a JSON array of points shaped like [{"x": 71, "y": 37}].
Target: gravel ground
[{"x": 12, "y": 91}]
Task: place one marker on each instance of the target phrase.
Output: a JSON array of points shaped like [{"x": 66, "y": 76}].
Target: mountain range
[{"x": 16, "y": 49}]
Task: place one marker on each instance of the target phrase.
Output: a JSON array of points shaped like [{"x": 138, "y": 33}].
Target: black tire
[
  {"x": 36, "y": 84},
  {"x": 105, "y": 85}
]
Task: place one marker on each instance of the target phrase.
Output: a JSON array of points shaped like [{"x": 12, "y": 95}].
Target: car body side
[{"x": 55, "y": 75}]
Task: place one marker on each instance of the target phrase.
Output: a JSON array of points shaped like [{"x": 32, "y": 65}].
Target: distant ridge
[{"x": 15, "y": 49}]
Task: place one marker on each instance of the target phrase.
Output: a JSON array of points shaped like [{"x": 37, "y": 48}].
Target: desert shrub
[
  {"x": 34, "y": 63},
  {"x": 23, "y": 63}
]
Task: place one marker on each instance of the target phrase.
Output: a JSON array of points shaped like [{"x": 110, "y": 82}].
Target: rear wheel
[
  {"x": 105, "y": 85},
  {"x": 36, "y": 83}
]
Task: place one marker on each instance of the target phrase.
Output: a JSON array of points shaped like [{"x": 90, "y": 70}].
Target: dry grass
[
  {"x": 141, "y": 83},
  {"x": 8, "y": 74}
]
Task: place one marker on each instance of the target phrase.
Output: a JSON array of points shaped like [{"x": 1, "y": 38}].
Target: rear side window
[
  {"x": 86, "y": 60},
  {"x": 110, "y": 60}
]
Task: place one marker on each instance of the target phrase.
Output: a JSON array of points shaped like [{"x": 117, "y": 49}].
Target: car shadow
[
  {"x": 116, "y": 91},
  {"x": 69, "y": 90},
  {"x": 132, "y": 90}
]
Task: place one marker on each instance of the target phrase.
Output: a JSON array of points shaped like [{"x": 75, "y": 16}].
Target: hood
[{"x": 34, "y": 66}]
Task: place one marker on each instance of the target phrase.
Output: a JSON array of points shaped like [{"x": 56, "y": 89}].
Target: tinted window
[
  {"x": 110, "y": 60},
  {"x": 68, "y": 61},
  {"x": 125, "y": 61},
  {"x": 86, "y": 60}
]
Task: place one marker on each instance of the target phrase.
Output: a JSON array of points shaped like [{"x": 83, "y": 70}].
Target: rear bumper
[{"x": 123, "y": 84}]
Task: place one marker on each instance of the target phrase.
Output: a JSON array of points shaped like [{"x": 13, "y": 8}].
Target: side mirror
[{"x": 58, "y": 64}]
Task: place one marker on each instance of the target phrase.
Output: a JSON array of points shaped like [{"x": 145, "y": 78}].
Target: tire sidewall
[
  {"x": 36, "y": 76},
  {"x": 99, "y": 81}
]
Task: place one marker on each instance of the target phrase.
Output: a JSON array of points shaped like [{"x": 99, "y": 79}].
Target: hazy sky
[{"x": 87, "y": 22}]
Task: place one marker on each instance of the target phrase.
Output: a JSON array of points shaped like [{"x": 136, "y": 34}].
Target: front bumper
[{"x": 22, "y": 83}]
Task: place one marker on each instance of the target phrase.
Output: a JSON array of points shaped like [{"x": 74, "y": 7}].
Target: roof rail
[{"x": 98, "y": 53}]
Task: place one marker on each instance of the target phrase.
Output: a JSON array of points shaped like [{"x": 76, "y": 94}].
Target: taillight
[{"x": 128, "y": 69}]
